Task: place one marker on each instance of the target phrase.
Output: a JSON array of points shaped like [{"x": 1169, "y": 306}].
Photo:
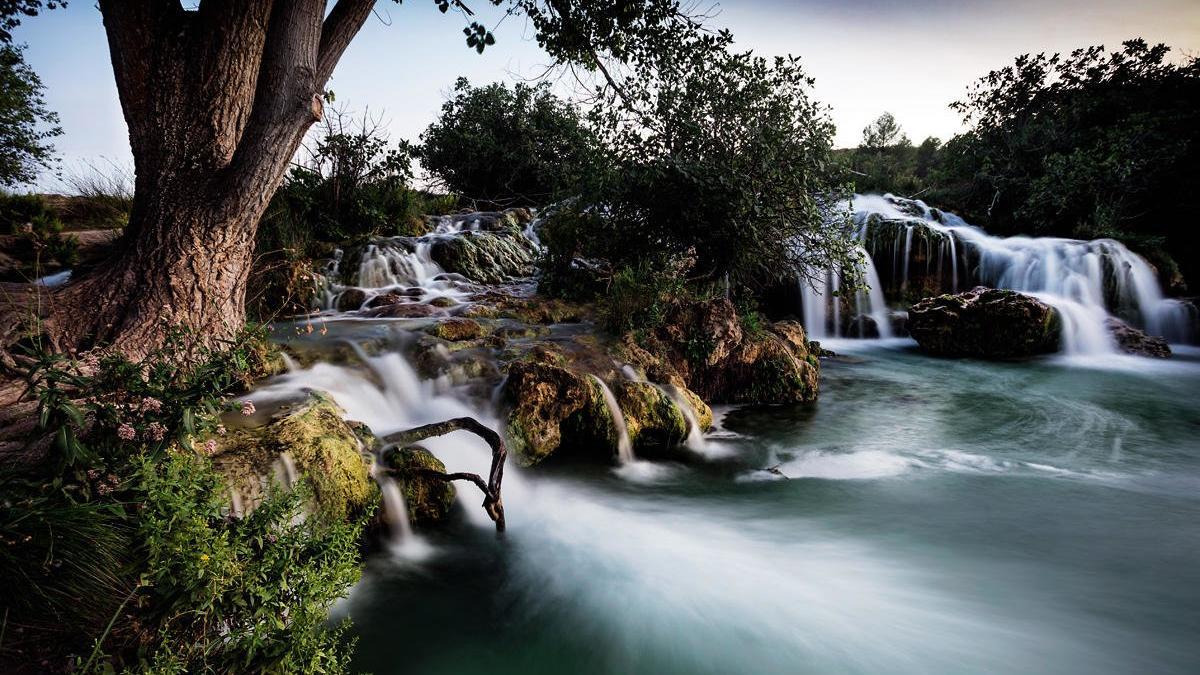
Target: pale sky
[{"x": 868, "y": 56}]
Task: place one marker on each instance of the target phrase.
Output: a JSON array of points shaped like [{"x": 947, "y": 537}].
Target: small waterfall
[
  {"x": 624, "y": 446},
  {"x": 1085, "y": 280},
  {"x": 387, "y": 266},
  {"x": 695, "y": 438},
  {"x": 395, "y": 511},
  {"x": 821, "y": 304}
]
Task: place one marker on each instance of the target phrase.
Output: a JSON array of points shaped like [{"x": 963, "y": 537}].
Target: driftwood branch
[{"x": 492, "y": 502}]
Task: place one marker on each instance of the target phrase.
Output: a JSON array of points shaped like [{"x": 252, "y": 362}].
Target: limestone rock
[{"x": 985, "y": 323}]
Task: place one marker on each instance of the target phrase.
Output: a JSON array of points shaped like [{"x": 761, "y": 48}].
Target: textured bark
[{"x": 217, "y": 101}]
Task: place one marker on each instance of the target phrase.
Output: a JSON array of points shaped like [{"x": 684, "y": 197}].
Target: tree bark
[{"x": 217, "y": 101}]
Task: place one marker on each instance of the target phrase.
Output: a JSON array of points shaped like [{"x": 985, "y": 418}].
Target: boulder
[
  {"x": 404, "y": 310},
  {"x": 351, "y": 299},
  {"x": 307, "y": 441},
  {"x": 547, "y": 405},
  {"x": 427, "y": 499},
  {"x": 702, "y": 345},
  {"x": 652, "y": 418},
  {"x": 1133, "y": 341},
  {"x": 394, "y": 297},
  {"x": 486, "y": 257},
  {"x": 985, "y": 323},
  {"x": 457, "y": 330}
]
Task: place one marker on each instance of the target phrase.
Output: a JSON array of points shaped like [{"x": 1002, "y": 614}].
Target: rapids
[{"x": 924, "y": 516}]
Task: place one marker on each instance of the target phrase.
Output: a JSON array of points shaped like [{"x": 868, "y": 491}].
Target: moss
[
  {"x": 429, "y": 500},
  {"x": 326, "y": 450},
  {"x": 457, "y": 330},
  {"x": 651, "y": 416}
]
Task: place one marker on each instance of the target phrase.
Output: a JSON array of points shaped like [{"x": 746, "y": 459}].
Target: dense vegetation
[
  {"x": 27, "y": 125},
  {"x": 126, "y": 552},
  {"x": 517, "y": 147}
]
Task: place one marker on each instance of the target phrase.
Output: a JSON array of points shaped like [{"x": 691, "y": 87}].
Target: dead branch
[{"x": 492, "y": 502}]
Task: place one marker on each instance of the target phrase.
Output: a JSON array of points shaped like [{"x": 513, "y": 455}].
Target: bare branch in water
[{"x": 492, "y": 502}]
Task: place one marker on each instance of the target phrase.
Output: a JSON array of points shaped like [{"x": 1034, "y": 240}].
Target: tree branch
[
  {"x": 340, "y": 27},
  {"x": 492, "y": 503}
]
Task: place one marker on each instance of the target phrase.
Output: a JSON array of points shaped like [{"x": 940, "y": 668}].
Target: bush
[
  {"x": 40, "y": 232},
  {"x": 128, "y": 556},
  {"x": 511, "y": 147}
]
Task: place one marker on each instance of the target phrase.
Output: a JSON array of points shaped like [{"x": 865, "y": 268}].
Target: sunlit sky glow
[{"x": 868, "y": 56}]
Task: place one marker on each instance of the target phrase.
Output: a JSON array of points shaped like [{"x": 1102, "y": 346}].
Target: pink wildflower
[
  {"x": 151, "y": 404},
  {"x": 210, "y": 446},
  {"x": 220, "y": 429},
  {"x": 247, "y": 408},
  {"x": 156, "y": 431},
  {"x": 126, "y": 432}
]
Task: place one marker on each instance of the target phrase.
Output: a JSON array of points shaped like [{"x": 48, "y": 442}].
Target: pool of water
[{"x": 925, "y": 516}]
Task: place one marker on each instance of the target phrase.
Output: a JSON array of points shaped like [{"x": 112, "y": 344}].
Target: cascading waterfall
[
  {"x": 1086, "y": 281},
  {"x": 624, "y": 446},
  {"x": 395, "y": 511},
  {"x": 822, "y": 305},
  {"x": 695, "y": 438}
]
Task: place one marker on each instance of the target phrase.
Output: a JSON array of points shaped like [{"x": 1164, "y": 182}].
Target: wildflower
[
  {"x": 93, "y": 474},
  {"x": 308, "y": 328},
  {"x": 210, "y": 446},
  {"x": 203, "y": 557},
  {"x": 27, "y": 228},
  {"x": 220, "y": 429},
  {"x": 247, "y": 407},
  {"x": 151, "y": 404},
  {"x": 126, "y": 432},
  {"x": 324, "y": 330},
  {"x": 156, "y": 431}
]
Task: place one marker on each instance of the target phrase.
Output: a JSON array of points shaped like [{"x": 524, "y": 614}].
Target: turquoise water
[{"x": 937, "y": 517}]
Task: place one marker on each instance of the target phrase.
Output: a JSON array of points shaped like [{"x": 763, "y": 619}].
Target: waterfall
[
  {"x": 624, "y": 446},
  {"x": 1086, "y": 281},
  {"x": 395, "y": 511},
  {"x": 386, "y": 266},
  {"x": 695, "y": 438},
  {"x": 821, "y": 304}
]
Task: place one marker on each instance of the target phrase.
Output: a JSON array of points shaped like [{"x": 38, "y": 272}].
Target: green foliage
[
  {"x": 42, "y": 241},
  {"x": 239, "y": 595},
  {"x": 719, "y": 159},
  {"x": 26, "y": 124},
  {"x": 887, "y": 161},
  {"x": 520, "y": 146},
  {"x": 12, "y": 11},
  {"x": 638, "y": 298},
  {"x": 129, "y": 555},
  {"x": 1089, "y": 144}
]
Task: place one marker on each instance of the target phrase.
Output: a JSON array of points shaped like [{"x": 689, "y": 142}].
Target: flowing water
[
  {"x": 936, "y": 516},
  {"x": 924, "y": 516},
  {"x": 1086, "y": 281}
]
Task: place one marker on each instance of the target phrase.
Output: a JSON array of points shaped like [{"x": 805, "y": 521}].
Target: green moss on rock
[{"x": 429, "y": 500}]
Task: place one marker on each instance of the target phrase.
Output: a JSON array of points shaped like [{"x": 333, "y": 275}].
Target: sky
[{"x": 868, "y": 56}]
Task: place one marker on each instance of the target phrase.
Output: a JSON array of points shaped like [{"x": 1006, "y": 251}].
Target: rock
[
  {"x": 985, "y": 323},
  {"x": 486, "y": 257},
  {"x": 394, "y": 298},
  {"x": 429, "y": 500},
  {"x": 444, "y": 302},
  {"x": 702, "y": 346},
  {"x": 1133, "y": 341},
  {"x": 548, "y": 407},
  {"x": 652, "y": 418},
  {"x": 351, "y": 299},
  {"x": 860, "y": 326},
  {"x": 457, "y": 330},
  {"x": 326, "y": 451},
  {"x": 407, "y": 310}
]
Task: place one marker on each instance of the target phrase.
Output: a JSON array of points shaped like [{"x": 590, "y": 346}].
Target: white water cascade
[
  {"x": 1086, "y": 281},
  {"x": 822, "y": 305},
  {"x": 624, "y": 446}
]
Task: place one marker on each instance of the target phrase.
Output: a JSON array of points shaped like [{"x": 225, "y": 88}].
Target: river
[{"x": 937, "y": 516}]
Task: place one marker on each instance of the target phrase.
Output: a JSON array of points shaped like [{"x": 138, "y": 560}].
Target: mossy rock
[
  {"x": 457, "y": 330},
  {"x": 651, "y": 416},
  {"x": 550, "y": 407},
  {"x": 429, "y": 500},
  {"x": 327, "y": 451},
  {"x": 486, "y": 257},
  {"x": 986, "y": 323}
]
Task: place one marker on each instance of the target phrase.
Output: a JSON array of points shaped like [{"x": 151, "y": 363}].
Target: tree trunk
[{"x": 217, "y": 101}]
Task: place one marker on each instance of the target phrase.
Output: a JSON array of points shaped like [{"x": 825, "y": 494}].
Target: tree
[
  {"x": 1089, "y": 144},
  {"x": 719, "y": 168},
  {"x": 520, "y": 146},
  {"x": 883, "y": 133},
  {"x": 217, "y": 100},
  {"x": 26, "y": 124}
]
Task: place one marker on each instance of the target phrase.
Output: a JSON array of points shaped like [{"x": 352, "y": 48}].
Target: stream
[{"x": 924, "y": 516}]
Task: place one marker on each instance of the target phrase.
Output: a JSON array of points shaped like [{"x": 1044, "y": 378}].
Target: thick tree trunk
[{"x": 217, "y": 101}]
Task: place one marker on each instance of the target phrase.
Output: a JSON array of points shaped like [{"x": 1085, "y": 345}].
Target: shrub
[{"x": 521, "y": 146}]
